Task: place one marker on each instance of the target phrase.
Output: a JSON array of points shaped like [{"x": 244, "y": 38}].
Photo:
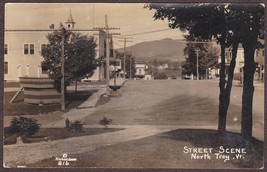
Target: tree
[
  {"x": 207, "y": 56},
  {"x": 248, "y": 22},
  {"x": 206, "y": 21},
  {"x": 229, "y": 24},
  {"x": 79, "y": 56}
]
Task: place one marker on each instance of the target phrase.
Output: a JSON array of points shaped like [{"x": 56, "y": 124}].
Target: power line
[
  {"x": 146, "y": 32},
  {"x": 124, "y": 54}
]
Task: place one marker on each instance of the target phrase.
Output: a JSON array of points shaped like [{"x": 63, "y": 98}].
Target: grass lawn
[
  {"x": 166, "y": 150},
  {"x": 50, "y": 134}
]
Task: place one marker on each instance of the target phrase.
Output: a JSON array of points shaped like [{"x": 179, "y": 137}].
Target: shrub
[
  {"x": 76, "y": 126},
  {"x": 105, "y": 122},
  {"x": 161, "y": 75},
  {"x": 23, "y": 126}
]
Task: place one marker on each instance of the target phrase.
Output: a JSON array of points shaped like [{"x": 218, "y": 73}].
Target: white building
[
  {"x": 140, "y": 70},
  {"x": 258, "y": 57},
  {"x": 22, "y": 51}
]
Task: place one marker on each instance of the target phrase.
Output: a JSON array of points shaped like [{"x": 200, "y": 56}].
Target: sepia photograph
[{"x": 134, "y": 85}]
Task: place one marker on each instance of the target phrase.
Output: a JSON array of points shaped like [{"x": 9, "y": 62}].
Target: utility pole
[
  {"x": 197, "y": 65},
  {"x": 130, "y": 68},
  {"x": 107, "y": 37},
  {"x": 124, "y": 55},
  {"x": 62, "y": 68}
]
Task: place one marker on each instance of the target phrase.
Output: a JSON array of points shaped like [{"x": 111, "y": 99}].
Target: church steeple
[{"x": 70, "y": 22}]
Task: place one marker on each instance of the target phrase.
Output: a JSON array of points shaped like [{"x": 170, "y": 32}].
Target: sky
[{"x": 131, "y": 18}]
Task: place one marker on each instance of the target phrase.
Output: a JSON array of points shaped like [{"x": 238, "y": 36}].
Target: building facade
[
  {"x": 22, "y": 51},
  {"x": 141, "y": 69},
  {"x": 258, "y": 57}
]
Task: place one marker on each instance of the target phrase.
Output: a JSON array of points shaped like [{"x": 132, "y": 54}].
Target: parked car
[{"x": 187, "y": 77}]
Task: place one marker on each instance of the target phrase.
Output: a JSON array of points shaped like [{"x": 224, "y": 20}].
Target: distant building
[
  {"x": 258, "y": 57},
  {"x": 163, "y": 66},
  {"x": 141, "y": 69},
  {"x": 22, "y": 52}
]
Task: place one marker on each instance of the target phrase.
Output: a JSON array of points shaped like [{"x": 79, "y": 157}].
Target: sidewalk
[{"x": 87, "y": 107}]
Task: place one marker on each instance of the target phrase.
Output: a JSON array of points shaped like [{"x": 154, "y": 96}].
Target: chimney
[{"x": 52, "y": 26}]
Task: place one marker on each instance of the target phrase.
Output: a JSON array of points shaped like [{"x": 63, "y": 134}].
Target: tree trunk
[
  {"x": 222, "y": 105},
  {"x": 231, "y": 76},
  {"x": 75, "y": 87},
  {"x": 248, "y": 91}
]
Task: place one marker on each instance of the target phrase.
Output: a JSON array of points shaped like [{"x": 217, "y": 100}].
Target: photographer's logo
[{"x": 65, "y": 160}]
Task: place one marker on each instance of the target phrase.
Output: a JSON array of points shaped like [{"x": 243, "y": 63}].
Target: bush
[
  {"x": 161, "y": 75},
  {"x": 76, "y": 126},
  {"x": 23, "y": 126},
  {"x": 105, "y": 122}
]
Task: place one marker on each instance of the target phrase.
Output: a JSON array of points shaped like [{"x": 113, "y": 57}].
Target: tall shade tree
[
  {"x": 229, "y": 24},
  {"x": 79, "y": 55},
  {"x": 248, "y": 25},
  {"x": 207, "y": 54}
]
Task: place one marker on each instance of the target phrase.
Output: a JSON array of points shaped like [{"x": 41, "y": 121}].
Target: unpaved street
[{"x": 177, "y": 102}]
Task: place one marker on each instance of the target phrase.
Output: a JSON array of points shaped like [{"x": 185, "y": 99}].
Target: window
[
  {"x": 28, "y": 48},
  {"x": 140, "y": 71},
  {"x": 31, "y": 48},
  {"x": 257, "y": 53},
  {"x": 43, "y": 46},
  {"x": 117, "y": 63},
  {"x": 6, "y": 68},
  {"x": 5, "y": 49}
]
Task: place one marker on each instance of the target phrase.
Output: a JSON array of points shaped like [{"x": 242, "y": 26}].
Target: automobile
[
  {"x": 86, "y": 79},
  {"x": 187, "y": 77}
]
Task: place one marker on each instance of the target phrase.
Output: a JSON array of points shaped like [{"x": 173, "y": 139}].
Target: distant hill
[{"x": 165, "y": 49}]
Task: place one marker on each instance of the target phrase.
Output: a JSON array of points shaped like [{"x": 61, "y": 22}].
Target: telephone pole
[
  {"x": 107, "y": 37},
  {"x": 62, "y": 69},
  {"x": 197, "y": 64},
  {"x": 124, "y": 55}
]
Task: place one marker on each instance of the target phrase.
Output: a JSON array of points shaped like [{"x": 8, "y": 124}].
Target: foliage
[
  {"x": 207, "y": 54},
  {"x": 79, "y": 55},
  {"x": 23, "y": 126},
  {"x": 105, "y": 122},
  {"x": 76, "y": 126},
  {"x": 160, "y": 75}
]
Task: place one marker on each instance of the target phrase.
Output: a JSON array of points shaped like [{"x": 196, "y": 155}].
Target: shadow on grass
[
  {"x": 73, "y": 99},
  {"x": 202, "y": 138}
]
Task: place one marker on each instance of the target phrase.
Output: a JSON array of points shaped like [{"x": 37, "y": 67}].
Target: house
[
  {"x": 115, "y": 67},
  {"x": 163, "y": 66},
  {"x": 22, "y": 51},
  {"x": 258, "y": 57},
  {"x": 141, "y": 70}
]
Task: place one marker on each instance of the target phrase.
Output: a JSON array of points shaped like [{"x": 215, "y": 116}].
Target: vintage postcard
[{"x": 134, "y": 85}]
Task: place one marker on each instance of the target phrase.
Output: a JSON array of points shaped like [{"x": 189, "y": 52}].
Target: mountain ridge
[{"x": 162, "y": 50}]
